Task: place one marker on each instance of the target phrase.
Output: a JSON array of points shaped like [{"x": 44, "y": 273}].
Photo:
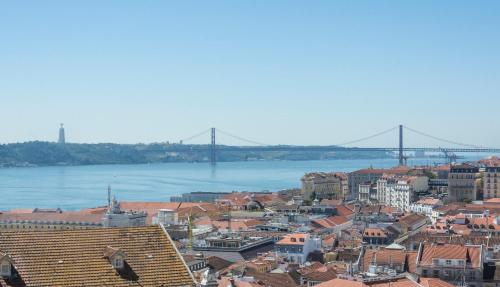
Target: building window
[
  {"x": 472, "y": 275},
  {"x": 118, "y": 263},
  {"x": 448, "y": 262},
  {"x": 5, "y": 269}
]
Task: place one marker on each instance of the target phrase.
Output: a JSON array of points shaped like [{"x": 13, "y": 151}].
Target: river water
[{"x": 76, "y": 187}]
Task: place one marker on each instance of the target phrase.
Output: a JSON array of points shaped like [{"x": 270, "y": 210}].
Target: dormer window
[
  {"x": 115, "y": 256},
  {"x": 118, "y": 262},
  {"x": 5, "y": 272},
  {"x": 6, "y": 265}
]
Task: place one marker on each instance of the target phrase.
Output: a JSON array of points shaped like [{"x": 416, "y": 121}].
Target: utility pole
[
  {"x": 213, "y": 157},
  {"x": 401, "y": 156}
]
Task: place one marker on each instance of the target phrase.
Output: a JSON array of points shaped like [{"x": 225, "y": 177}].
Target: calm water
[{"x": 86, "y": 186}]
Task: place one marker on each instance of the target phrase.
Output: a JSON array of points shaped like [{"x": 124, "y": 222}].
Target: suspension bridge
[{"x": 252, "y": 146}]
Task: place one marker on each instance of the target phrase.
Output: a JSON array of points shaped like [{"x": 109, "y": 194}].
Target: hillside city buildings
[{"x": 434, "y": 226}]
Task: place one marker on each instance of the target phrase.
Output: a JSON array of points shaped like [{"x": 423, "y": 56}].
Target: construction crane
[{"x": 450, "y": 157}]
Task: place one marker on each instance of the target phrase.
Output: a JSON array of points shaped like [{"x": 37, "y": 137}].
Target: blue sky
[{"x": 291, "y": 72}]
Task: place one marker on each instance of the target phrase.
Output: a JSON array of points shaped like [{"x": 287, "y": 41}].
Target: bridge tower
[
  {"x": 401, "y": 155},
  {"x": 213, "y": 156}
]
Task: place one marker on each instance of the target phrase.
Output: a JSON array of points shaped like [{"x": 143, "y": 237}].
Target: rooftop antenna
[
  {"x": 109, "y": 196},
  {"x": 229, "y": 221}
]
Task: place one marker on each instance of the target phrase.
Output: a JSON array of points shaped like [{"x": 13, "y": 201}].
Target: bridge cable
[
  {"x": 443, "y": 140},
  {"x": 195, "y": 136},
  {"x": 241, "y": 139},
  {"x": 368, "y": 137}
]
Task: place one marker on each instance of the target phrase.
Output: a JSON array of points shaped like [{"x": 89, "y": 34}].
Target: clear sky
[{"x": 290, "y": 72}]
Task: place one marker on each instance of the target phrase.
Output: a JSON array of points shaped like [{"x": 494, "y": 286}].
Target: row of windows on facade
[
  {"x": 462, "y": 176},
  {"x": 290, "y": 250},
  {"x": 448, "y": 274},
  {"x": 12, "y": 226}
]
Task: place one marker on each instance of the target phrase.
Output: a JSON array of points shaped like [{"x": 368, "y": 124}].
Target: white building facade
[
  {"x": 400, "y": 192},
  {"x": 296, "y": 247}
]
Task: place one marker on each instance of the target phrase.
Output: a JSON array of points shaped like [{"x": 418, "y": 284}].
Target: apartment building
[
  {"x": 363, "y": 176},
  {"x": 400, "y": 191},
  {"x": 425, "y": 206},
  {"x": 297, "y": 246},
  {"x": 452, "y": 263},
  {"x": 491, "y": 182},
  {"x": 464, "y": 183},
  {"x": 364, "y": 192},
  {"x": 321, "y": 185}
]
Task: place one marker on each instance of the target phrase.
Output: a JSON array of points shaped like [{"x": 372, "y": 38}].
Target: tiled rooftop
[
  {"x": 76, "y": 258},
  {"x": 449, "y": 251}
]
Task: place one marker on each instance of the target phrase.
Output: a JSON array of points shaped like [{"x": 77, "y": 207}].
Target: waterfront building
[
  {"x": 296, "y": 247},
  {"x": 491, "y": 182},
  {"x": 56, "y": 219},
  {"x": 463, "y": 183},
  {"x": 321, "y": 185},
  {"x": 39, "y": 220},
  {"x": 115, "y": 217},
  {"x": 136, "y": 256}
]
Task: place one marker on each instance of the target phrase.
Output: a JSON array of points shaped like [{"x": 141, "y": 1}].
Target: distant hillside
[{"x": 48, "y": 154}]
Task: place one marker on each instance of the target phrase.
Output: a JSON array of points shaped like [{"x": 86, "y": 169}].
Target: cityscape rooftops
[{"x": 393, "y": 170}]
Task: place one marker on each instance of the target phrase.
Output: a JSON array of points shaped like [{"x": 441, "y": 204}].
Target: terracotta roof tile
[
  {"x": 68, "y": 216},
  {"x": 294, "y": 239},
  {"x": 399, "y": 282},
  {"x": 449, "y": 251},
  {"x": 384, "y": 257},
  {"x": 434, "y": 282}
]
